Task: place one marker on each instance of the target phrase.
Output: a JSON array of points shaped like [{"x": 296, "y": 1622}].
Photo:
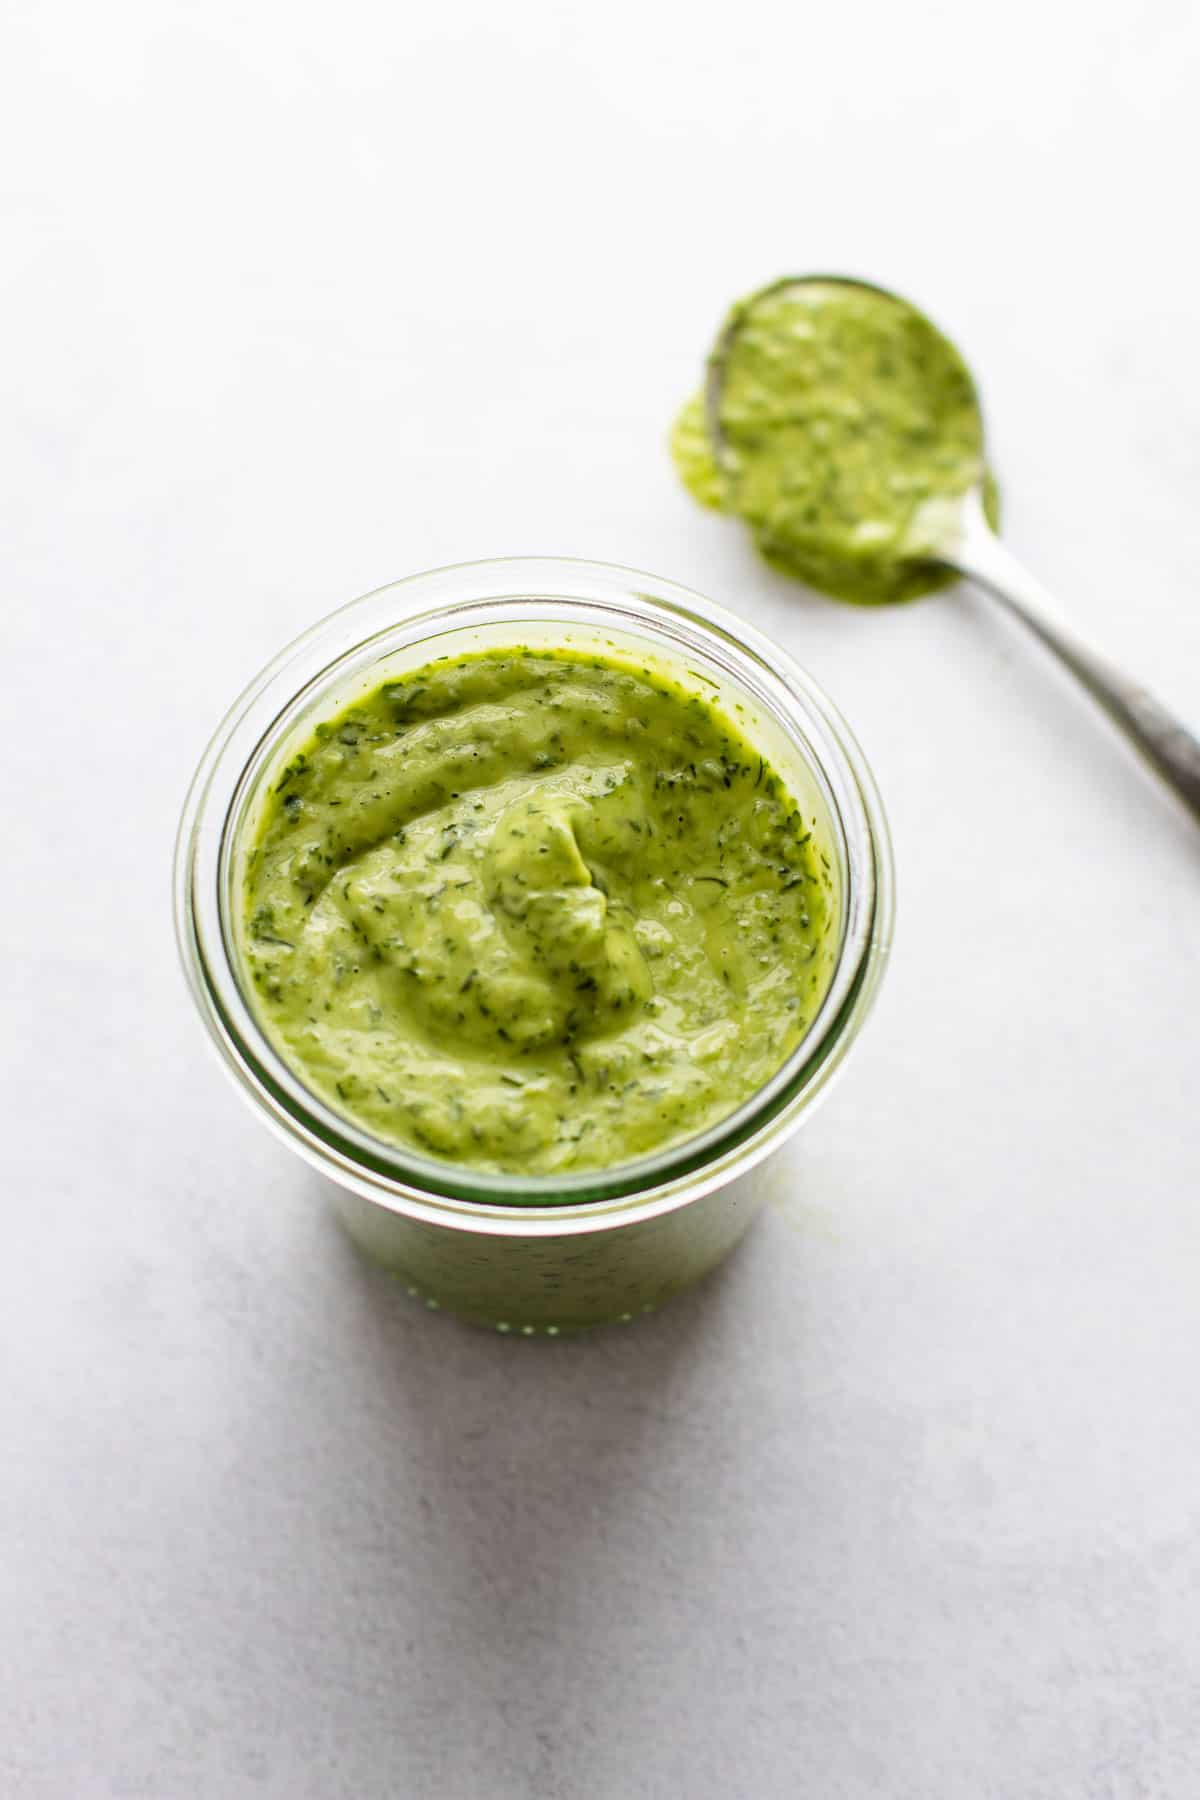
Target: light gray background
[{"x": 906, "y": 1503}]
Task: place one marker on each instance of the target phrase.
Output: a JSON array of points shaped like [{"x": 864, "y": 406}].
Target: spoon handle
[{"x": 1165, "y": 744}]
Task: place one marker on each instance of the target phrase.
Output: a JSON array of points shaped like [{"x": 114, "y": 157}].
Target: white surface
[{"x": 907, "y": 1502}]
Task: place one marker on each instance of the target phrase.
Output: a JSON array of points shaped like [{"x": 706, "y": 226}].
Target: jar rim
[{"x": 450, "y": 598}]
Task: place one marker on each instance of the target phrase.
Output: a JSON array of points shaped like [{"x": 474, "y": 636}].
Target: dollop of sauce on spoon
[{"x": 844, "y": 428}]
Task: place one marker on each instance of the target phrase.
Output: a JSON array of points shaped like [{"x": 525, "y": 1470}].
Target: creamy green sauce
[
  {"x": 850, "y": 429},
  {"x": 534, "y": 912}
]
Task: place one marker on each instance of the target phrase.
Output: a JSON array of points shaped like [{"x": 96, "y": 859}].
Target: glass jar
[{"x": 537, "y": 1253}]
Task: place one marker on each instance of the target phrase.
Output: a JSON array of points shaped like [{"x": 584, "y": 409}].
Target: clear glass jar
[{"x": 537, "y": 1253}]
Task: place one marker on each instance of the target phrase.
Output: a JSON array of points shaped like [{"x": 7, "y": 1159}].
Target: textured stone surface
[{"x": 903, "y": 1505}]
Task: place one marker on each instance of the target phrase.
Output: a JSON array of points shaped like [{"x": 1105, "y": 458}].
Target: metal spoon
[{"x": 972, "y": 549}]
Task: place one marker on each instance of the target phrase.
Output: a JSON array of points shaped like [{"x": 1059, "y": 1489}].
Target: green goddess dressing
[
  {"x": 534, "y": 912},
  {"x": 849, "y": 428}
]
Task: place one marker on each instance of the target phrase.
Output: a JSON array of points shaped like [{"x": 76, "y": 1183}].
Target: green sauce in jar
[{"x": 534, "y": 911}]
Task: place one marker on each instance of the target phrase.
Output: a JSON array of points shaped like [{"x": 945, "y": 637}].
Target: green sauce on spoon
[{"x": 841, "y": 425}]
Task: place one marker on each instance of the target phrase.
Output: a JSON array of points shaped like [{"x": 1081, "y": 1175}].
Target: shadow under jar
[{"x": 525, "y": 1252}]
